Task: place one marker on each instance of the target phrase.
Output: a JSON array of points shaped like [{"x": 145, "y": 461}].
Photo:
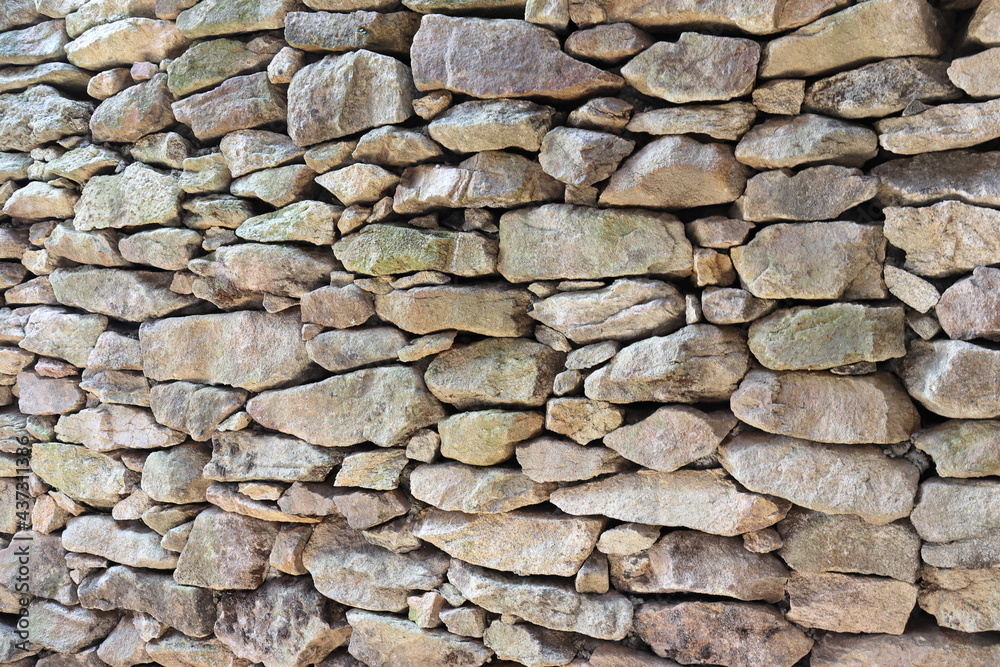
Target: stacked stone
[{"x": 600, "y": 333}]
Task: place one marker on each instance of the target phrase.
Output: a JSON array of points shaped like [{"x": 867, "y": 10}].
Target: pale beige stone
[
  {"x": 384, "y": 249},
  {"x": 970, "y": 308},
  {"x": 101, "y": 535},
  {"x": 974, "y": 74},
  {"x": 941, "y": 128},
  {"x": 912, "y": 290},
  {"x": 806, "y": 139},
  {"x": 962, "y": 448},
  {"x": 727, "y": 122},
  {"x": 953, "y": 378},
  {"x": 381, "y": 640},
  {"x": 486, "y": 437},
  {"x": 461, "y": 488},
  {"x": 487, "y": 309},
  {"x": 489, "y": 125},
  {"x": 548, "y": 459},
  {"x": 581, "y": 419},
  {"x": 956, "y": 509},
  {"x": 672, "y": 437},
  {"x": 125, "y": 42},
  {"x": 850, "y": 603},
  {"x": 945, "y": 239},
  {"x": 926, "y": 645},
  {"x": 815, "y": 193}
]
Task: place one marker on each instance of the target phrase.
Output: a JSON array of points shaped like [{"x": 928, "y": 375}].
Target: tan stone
[
  {"x": 221, "y": 17},
  {"x": 226, "y": 551},
  {"x": 984, "y": 27},
  {"x": 84, "y": 475},
  {"x": 346, "y": 350},
  {"x": 490, "y": 310},
  {"x": 241, "y": 102},
  {"x": 758, "y": 17},
  {"x": 806, "y": 139},
  {"x": 607, "y": 43},
  {"x": 780, "y": 96},
  {"x": 850, "y": 603},
  {"x": 964, "y": 600},
  {"x": 486, "y": 437},
  {"x": 125, "y": 42},
  {"x": 953, "y": 378},
  {"x": 581, "y": 419},
  {"x": 244, "y": 456},
  {"x": 962, "y": 448},
  {"x": 970, "y": 308},
  {"x": 324, "y": 31},
  {"x": 672, "y": 437},
  {"x": 628, "y": 539},
  {"x": 101, "y": 535},
  {"x": 727, "y": 122},
  {"x": 971, "y": 177},
  {"x": 548, "y": 459},
  {"x": 956, "y": 509},
  {"x": 912, "y": 290},
  {"x": 389, "y": 249},
  {"x": 337, "y": 307},
  {"x": 944, "y": 239},
  {"x": 460, "y": 488},
  {"x": 381, "y": 640},
  {"x": 815, "y": 193},
  {"x": 926, "y": 645},
  {"x": 941, "y": 128},
  {"x": 39, "y": 115},
  {"x": 974, "y": 74},
  {"x": 39, "y": 395},
  {"x": 489, "y": 125},
  {"x": 113, "y": 201},
  {"x": 208, "y": 63},
  {"x": 582, "y": 157}
]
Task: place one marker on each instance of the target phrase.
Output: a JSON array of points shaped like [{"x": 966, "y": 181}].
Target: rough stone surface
[{"x": 950, "y": 378}]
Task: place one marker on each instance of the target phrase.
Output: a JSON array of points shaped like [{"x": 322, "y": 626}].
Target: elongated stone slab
[
  {"x": 243, "y": 456},
  {"x": 461, "y": 488},
  {"x": 953, "y": 378}
]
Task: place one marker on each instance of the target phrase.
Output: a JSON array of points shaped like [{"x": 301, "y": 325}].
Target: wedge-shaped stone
[
  {"x": 735, "y": 634},
  {"x": 974, "y": 74},
  {"x": 868, "y": 31},
  {"x": 137, "y": 196},
  {"x": 850, "y": 603},
  {"x": 705, "y": 500},
  {"x": 962, "y": 448},
  {"x": 460, "y": 488},
  {"x": 957, "y": 509},
  {"x": 244, "y": 456},
  {"x": 389, "y": 32},
  {"x": 383, "y": 405},
  {"x": 972, "y": 177},
  {"x": 817, "y": 542},
  {"x": 492, "y": 58},
  {"x": 964, "y": 600},
  {"x": 953, "y": 378},
  {"x": 341, "y": 95},
  {"x": 560, "y": 241},
  {"x": 125, "y": 42},
  {"x": 700, "y": 362},
  {"x": 490, "y": 310},
  {"x": 35, "y": 44},
  {"x": 211, "y": 62},
  {"x": 804, "y": 140},
  {"x": 119, "y": 542},
  {"x": 695, "y": 68},
  {"x": 381, "y": 640},
  {"x": 941, "y": 128},
  {"x": 223, "y": 17},
  {"x": 346, "y": 568},
  {"x": 109, "y": 427},
  {"x": 676, "y": 172},
  {"x": 188, "y": 608},
  {"x": 494, "y": 179},
  {"x": 239, "y": 103},
  {"x": 548, "y": 603},
  {"x": 491, "y": 125},
  {"x": 39, "y": 115},
  {"x": 926, "y": 645},
  {"x": 881, "y": 88},
  {"x": 686, "y": 561},
  {"x": 349, "y": 349},
  {"x": 548, "y": 459},
  {"x": 970, "y": 308},
  {"x": 828, "y": 478},
  {"x": 815, "y": 193},
  {"x": 727, "y": 122},
  {"x": 758, "y": 17},
  {"x": 56, "y": 332},
  {"x": 192, "y": 408},
  {"x": 984, "y": 27},
  {"x": 672, "y": 437},
  {"x": 200, "y": 348},
  {"x": 389, "y": 249},
  {"x": 84, "y": 475},
  {"x": 133, "y": 296},
  {"x": 486, "y": 437},
  {"x": 520, "y": 542},
  {"x": 226, "y": 551},
  {"x": 307, "y": 221},
  {"x": 624, "y": 310},
  {"x": 822, "y": 260}
]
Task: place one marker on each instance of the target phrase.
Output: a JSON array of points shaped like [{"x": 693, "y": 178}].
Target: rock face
[
  {"x": 387, "y": 249},
  {"x": 671, "y": 437},
  {"x": 815, "y": 193},
  {"x": 961, "y": 448},
  {"x": 806, "y": 139},
  {"x": 945, "y": 239},
  {"x": 970, "y": 309},
  {"x": 114, "y": 202},
  {"x": 847, "y": 603},
  {"x": 949, "y": 377},
  {"x": 383, "y": 640}
]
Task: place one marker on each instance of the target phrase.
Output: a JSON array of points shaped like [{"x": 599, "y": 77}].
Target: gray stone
[
  {"x": 945, "y": 239},
  {"x": 816, "y": 193},
  {"x": 389, "y": 32},
  {"x": 460, "y": 488},
  {"x": 951, "y": 510},
  {"x": 56, "y": 332},
  {"x": 727, "y": 122},
  {"x": 133, "y": 296},
  {"x": 389, "y": 249},
  {"x": 137, "y": 196},
  {"x": 40, "y": 115},
  {"x": 124, "y": 42},
  {"x": 381, "y": 640},
  {"x": 548, "y": 459},
  {"x": 194, "y": 409},
  {"x": 850, "y": 603},
  {"x": 34, "y": 44},
  {"x": 119, "y": 542},
  {"x": 211, "y": 62},
  {"x": 226, "y": 551},
  {"x": 953, "y": 378},
  {"x": 84, "y": 475},
  {"x": 349, "y": 349},
  {"x": 175, "y": 475},
  {"x": 806, "y": 139},
  {"x": 239, "y": 103},
  {"x": 582, "y": 157},
  {"x": 941, "y": 128},
  {"x": 221, "y": 17},
  {"x": 489, "y": 125},
  {"x": 244, "y": 456},
  {"x": 926, "y": 179},
  {"x": 926, "y": 645}
]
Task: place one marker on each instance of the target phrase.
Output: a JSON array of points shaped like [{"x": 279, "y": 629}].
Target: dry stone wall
[{"x": 601, "y": 333}]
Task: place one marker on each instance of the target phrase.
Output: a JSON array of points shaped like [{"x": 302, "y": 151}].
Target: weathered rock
[
  {"x": 972, "y": 553},
  {"x": 37, "y": 201},
  {"x": 119, "y": 542},
  {"x": 922, "y": 646},
  {"x": 226, "y": 551},
  {"x": 390, "y": 249},
  {"x": 486, "y": 437},
  {"x": 396, "y": 147},
  {"x": 912, "y": 290},
  {"x": 246, "y": 151},
  {"x": 857, "y": 480},
  {"x": 381, "y": 640},
  {"x": 728, "y": 121},
  {"x": 460, "y": 488},
  {"x": 194, "y": 409},
  {"x": 969, "y": 308},
  {"x": 187, "y": 608},
  {"x": 195, "y": 349},
  {"x": 500, "y": 58},
  {"x": 221, "y": 17},
  {"x": 983, "y": 25},
  {"x": 530, "y": 645},
  {"x": 337, "y": 307},
  {"x": 175, "y": 475},
  {"x": 672, "y": 437},
  {"x": 307, "y": 221},
  {"x": 806, "y": 139},
  {"x": 83, "y": 475},
  {"x": 318, "y": 107},
  {"x": 607, "y": 43},
  {"x": 816, "y": 193},
  {"x": 944, "y": 239},
  {"x": 956, "y": 509},
  {"x": 850, "y": 603},
  {"x": 581, "y": 419},
  {"x": 175, "y": 649},
  {"x": 49, "y": 577},
  {"x": 346, "y": 350},
  {"x": 66, "y": 629},
  {"x": 962, "y": 448},
  {"x": 520, "y": 542},
  {"x": 780, "y": 96},
  {"x": 125, "y": 42},
  {"x": 164, "y": 248},
  {"x": 953, "y": 378},
  {"x": 925, "y": 179},
  {"x": 35, "y": 44},
  {"x": 39, "y": 115},
  {"x": 687, "y": 561},
  {"x": 211, "y": 62},
  {"x": 490, "y": 310},
  {"x": 695, "y": 68},
  {"x": 359, "y": 183},
  {"x": 547, "y": 459},
  {"x": 246, "y": 456},
  {"x": 941, "y": 128},
  {"x": 239, "y": 103},
  {"x": 676, "y": 172},
  {"x": 582, "y": 157},
  {"x": 973, "y": 74},
  {"x": 735, "y": 634},
  {"x": 133, "y": 296},
  {"x": 607, "y": 616},
  {"x": 56, "y": 332},
  {"x": 616, "y": 655},
  {"x": 964, "y": 600},
  {"x": 348, "y": 569},
  {"x": 818, "y": 542},
  {"x": 698, "y": 363},
  {"x": 138, "y": 196},
  {"x": 323, "y": 31},
  {"x": 711, "y": 501},
  {"x": 825, "y": 260},
  {"x": 489, "y": 125},
  {"x": 494, "y": 371}
]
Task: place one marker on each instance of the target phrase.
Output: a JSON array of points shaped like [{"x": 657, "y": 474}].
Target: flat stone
[
  {"x": 780, "y": 96},
  {"x": 607, "y": 43},
  {"x": 37, "y": 201},
  {"x": 815, "y": 542},
  {"x": 389, "y": 32},
  {"x": 852, "y": 36},
  {"x": 20, "y": 12},
  {"x": 945, "y": 239},
  {"x": 926, "y": 179},
  {"x": 211, "y": 211},
  {"x": 349, "y": 570},
  {"x": 381, "y": 640},
  {"x": 727, "y": 122},
  {"x": 164, "y": 248},
  {"x": 359, "y": 183},
  {"x": 494, "y": 372},
  {"x": 582, "y": 420},
  {"x": 337, "y": 307},
  {"x": 40, "y": 115},
  {"x": 815, "y": 193},
  {"x": 175, "y": 649},
  {"x": 548, "y": 459},
  {"x": 805, "y": 338},
  {"x": 346, "y": 350},
  {"x": 582, "y": 157},
  {"x": 175, "y": 475},
  {"x": 941, "y": 128},
  {"x": 226, "y": 551},
  {"x": 211, "y": 62},
  {"x": 973, "y": 74},
  {"x": 983, "y": 25},
  {"x": 50, "y": 577},
  {"x": 806, "y": 139},
  {"x": 881, "y": 88},
  {"x": 56, "y": 332},
  {"x": 271, "y": 350},
  {"x": 486, "y": 437},
  {"x": 115, "y": 202},
  {"x": 243, "y": 456},
  {"x": 195, "y": 409},
  {"x": 972, "y": 553},
  {"x": 487, "y": 125},
  {"x": 119, "y": 542},
  {"x": 490, "y": 310},
  {"x": 672, "y": 437},
  {"x": 850, "y": 603},
  {"x": 705, "y": 500},
  {"x": 952, "y": 378},
  {"x": 222, "y": 17},
  {"x": 616, "y": 655},
  {"x": 955, "y": 509},
  {"x": 686, "y": 561},
  {"x": 925, "y": 645},
  {"x": 84, "y": 475},
  {"x": 759, "y": 17},
  {"x": 240, "y": 103},
  {"x": 396, "y": 147},
  {"x": 695, "y": 68},
  {"x": 460, "y": 488},
  {"x": 379, "y": 469},
  {"x": 133, "y": 296},
  {"x": 912, "y": 290},
  {"x": 823, "y": 260},
  {"x": 697, "y": 363},
  {"x": 530, "y": 645},
  {"x": 187, "y": 608},
  {"x": 970, "y": 308},
  {"x": 962, "y": 448},
  {"x": 125, "y": 42},
  {"x": 501, "y": 58},
  {"x": 521, "y": 542},
  {"x": 35, "y": 44},
  {"x": 246, "y": 151},
  {"x": 735, "y": 634},
  {"x": 389, "y": 249},
  {"x": 607, "y": 616},
  {"x": 67, "y": 629},
  {"x": 676, "y": 172},
  {"x": 858, "y": 480},
  {"x": 317, "y": 97}
]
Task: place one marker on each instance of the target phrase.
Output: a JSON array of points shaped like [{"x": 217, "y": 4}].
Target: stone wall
[{"x": 605, "y": 333}]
